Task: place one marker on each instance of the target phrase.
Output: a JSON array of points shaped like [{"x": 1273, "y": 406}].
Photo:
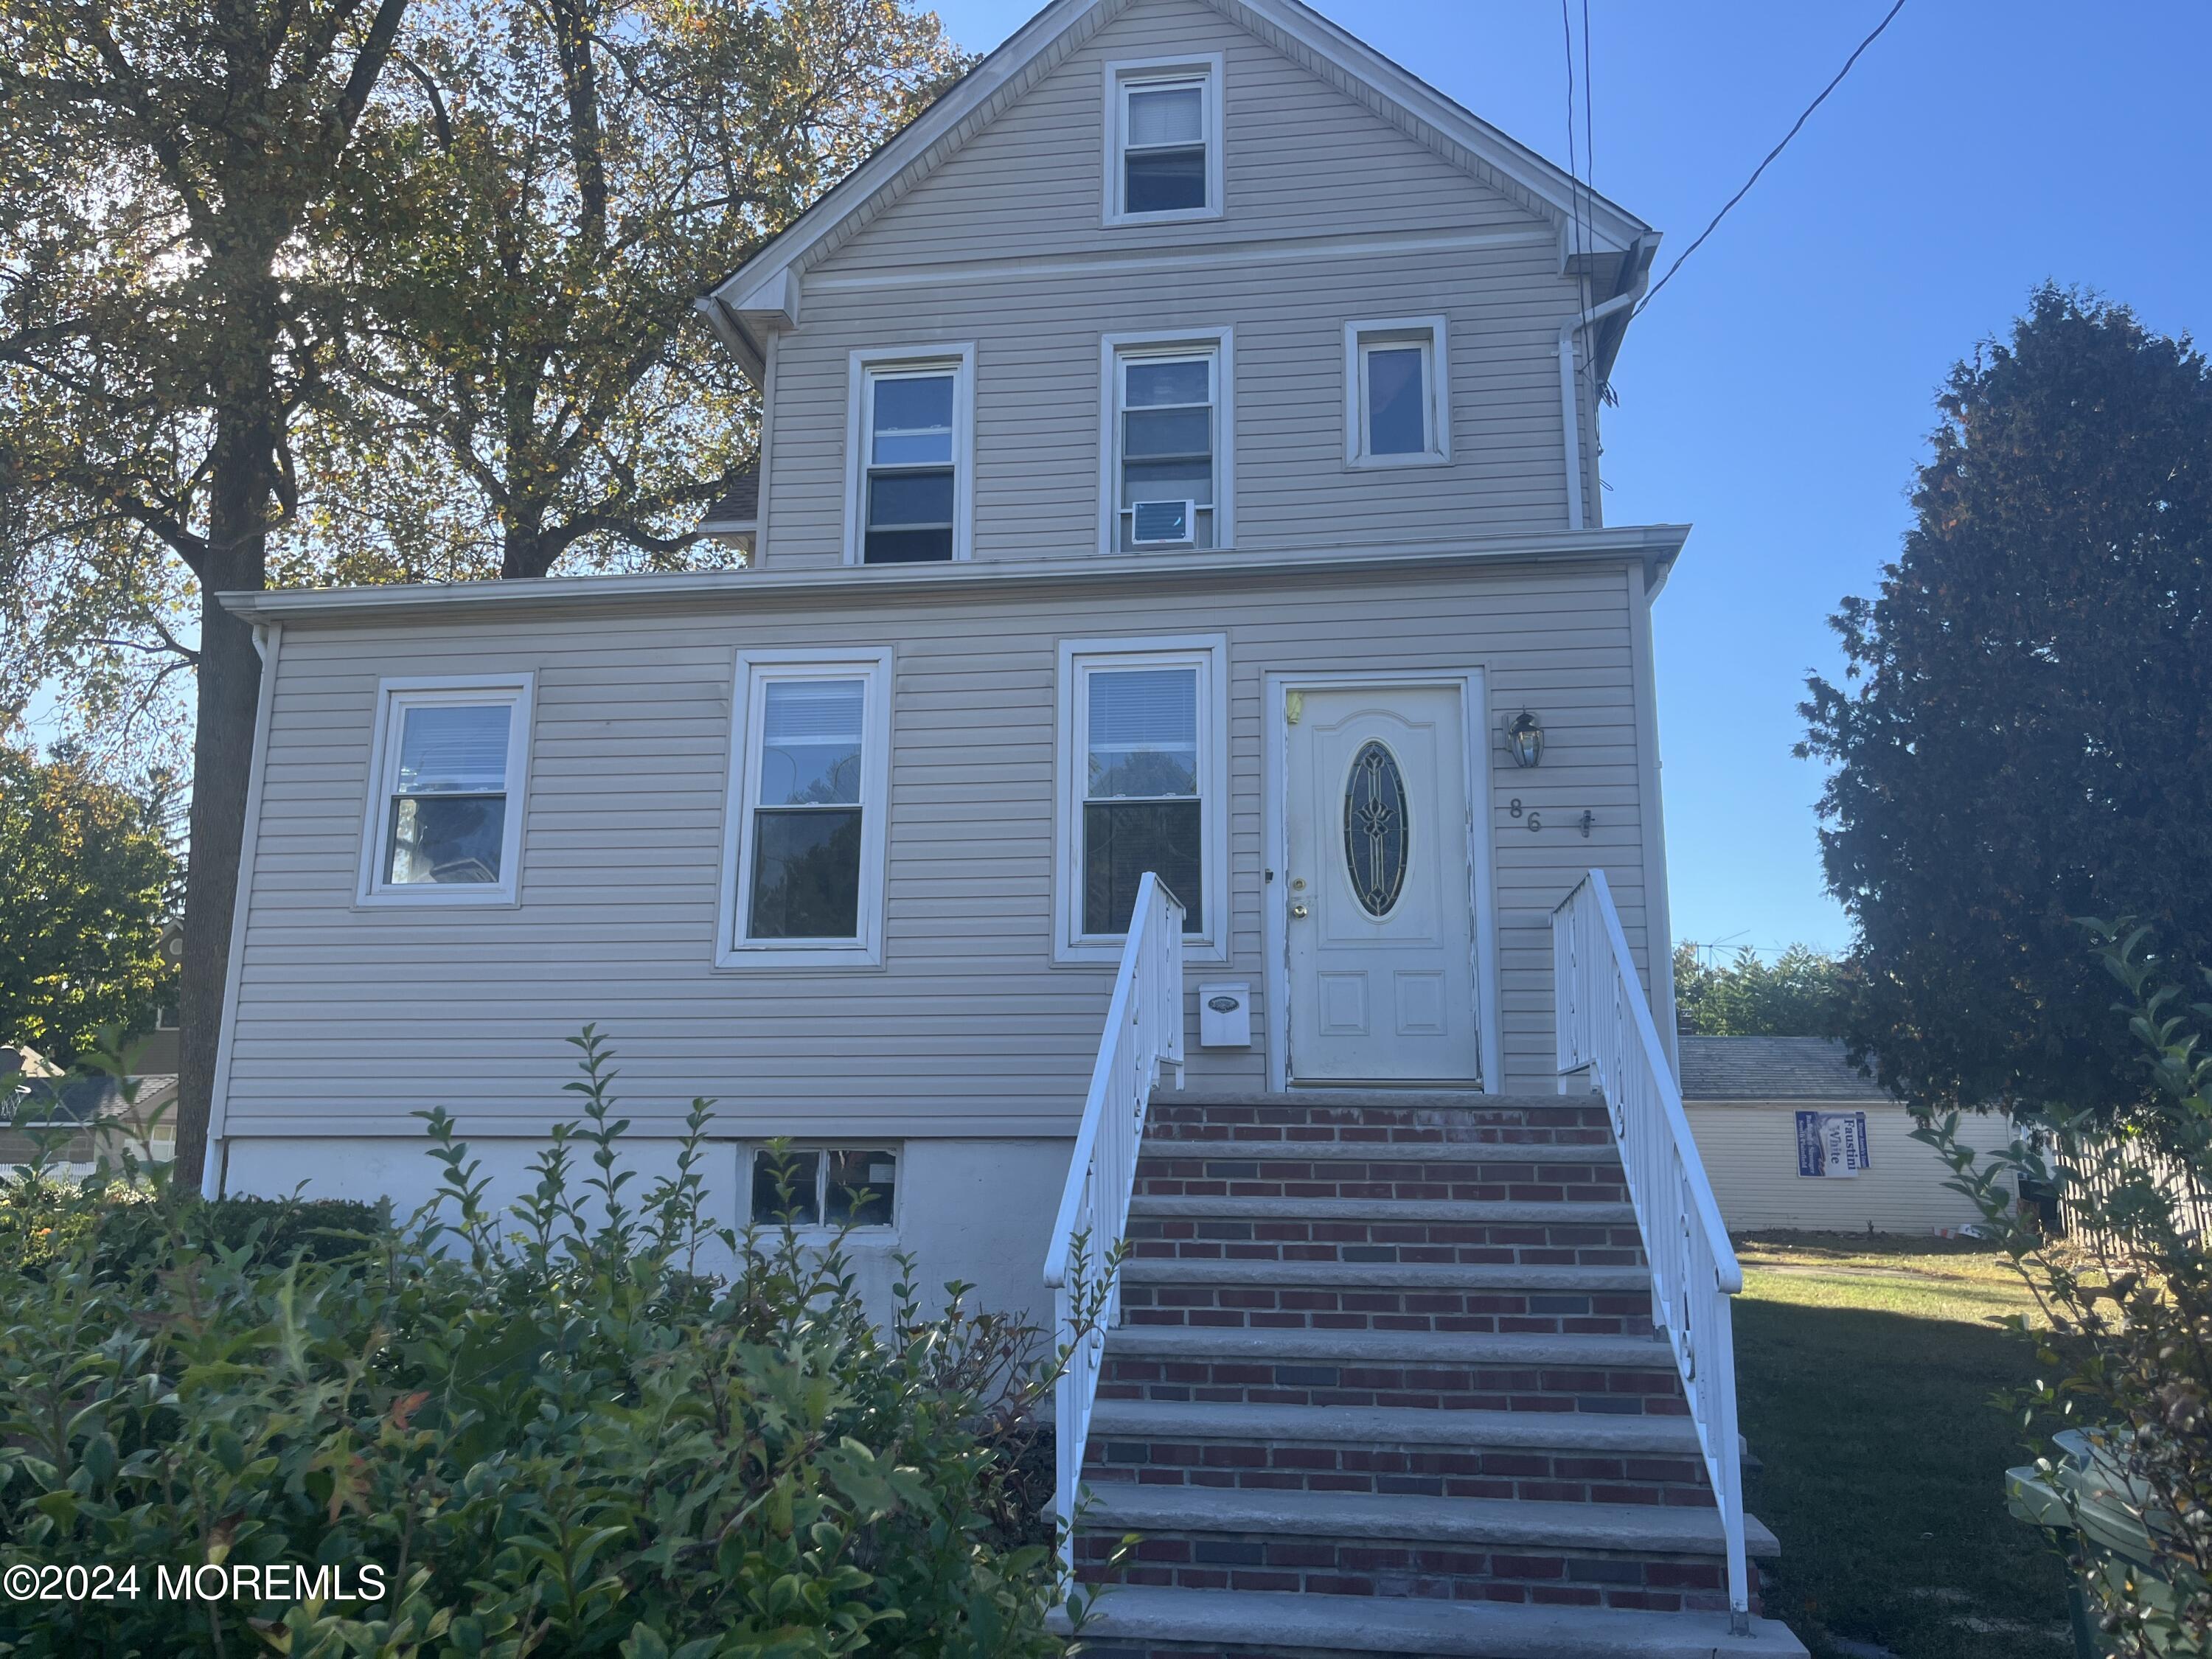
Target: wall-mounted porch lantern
[{"x": 1524, "y": 739}]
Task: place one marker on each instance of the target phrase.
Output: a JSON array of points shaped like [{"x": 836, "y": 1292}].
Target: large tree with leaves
[
  {"x": 2024, "y": 736},
  {"x": 1799, "y": 994},
  {"x": 331, "y": 291},
  {"x": 91, "y": 880},
  {"x": 164, "y": 319},
  {"x": 544, "y": 190}
]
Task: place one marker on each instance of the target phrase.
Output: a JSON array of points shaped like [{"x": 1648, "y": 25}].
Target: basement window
[{"x": 837, "y": 1187}]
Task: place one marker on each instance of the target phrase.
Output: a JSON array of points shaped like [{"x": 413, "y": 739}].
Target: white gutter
[{"x": 1570, "y": 411}]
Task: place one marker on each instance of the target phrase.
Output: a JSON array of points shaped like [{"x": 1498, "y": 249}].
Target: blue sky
[{"x": 1778, "y": 394}]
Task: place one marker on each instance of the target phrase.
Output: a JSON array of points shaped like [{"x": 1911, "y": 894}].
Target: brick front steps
[
  {"x": 1387, "y": 1384},
  {"x": 1550, "y": 1457},
  {"x": 1658, "y": 1559},
  {"x": 1370, "y": 1229},
  {"x": 1144, "y": 1622},
  {"x": 1627, "y": 1376},
  {"x": 1388, "y": 1296}
]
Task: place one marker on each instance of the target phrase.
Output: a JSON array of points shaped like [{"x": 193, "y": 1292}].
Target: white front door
[{"x": 1378, "y": 899}]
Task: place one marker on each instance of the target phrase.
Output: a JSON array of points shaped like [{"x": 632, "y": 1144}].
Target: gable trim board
[
  {"x": 1655, "y": 546},
  {"x": 765, "y": 293}
]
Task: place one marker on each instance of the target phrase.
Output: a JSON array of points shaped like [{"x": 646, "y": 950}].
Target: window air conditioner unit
[{"x": 1163, "y": 523}]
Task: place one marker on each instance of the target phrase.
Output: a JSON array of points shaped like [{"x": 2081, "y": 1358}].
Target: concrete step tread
[
  {"x": 1521, "y": 1523},
  {"x": 1276, "y": 1621},
  {"x": 1404, "y": 1426},
  {"x": 1407, "y": 1100},
  {"x": 1518, "y": 1349},
  {"x": 1385, "y": 1275},
  {"x": 1472, "y": 1212},
  {"x": 1368, "y": 1151}
]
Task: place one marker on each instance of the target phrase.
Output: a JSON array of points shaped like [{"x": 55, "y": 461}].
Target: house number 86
[{"x": 1535, "y": 819}]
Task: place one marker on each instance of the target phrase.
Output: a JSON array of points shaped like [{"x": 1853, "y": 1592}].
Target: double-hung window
[
  {"x": 1167, "y": 443},
  {"x": 445, "y": 809},
  {"x": 806, "y": 845},
  {"x": 910, "y": 493},
  {"x": 1397, "y": 402},
  {"x": 1143, "y": 727},
  {"x": 1163, "y": 139}
]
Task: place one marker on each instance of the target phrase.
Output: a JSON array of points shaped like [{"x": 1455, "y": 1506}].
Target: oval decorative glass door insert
[{"x": 1375, "y": 828}]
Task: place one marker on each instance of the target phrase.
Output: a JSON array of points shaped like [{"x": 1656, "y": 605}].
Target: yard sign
[{"x": 1830, "y": 1146}]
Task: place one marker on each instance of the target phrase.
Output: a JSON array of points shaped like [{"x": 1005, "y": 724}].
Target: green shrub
[
  {"x": 2127, "y": 1296},
  {"x": 549, "y": 1431}
]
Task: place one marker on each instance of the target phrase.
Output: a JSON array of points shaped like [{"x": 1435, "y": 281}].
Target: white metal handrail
[
  {"x": 1605, "y": 1027},
  {"x": 1144, "y": 1031}
]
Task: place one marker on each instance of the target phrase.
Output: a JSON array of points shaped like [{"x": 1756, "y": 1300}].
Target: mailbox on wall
[{"x": 1224, "y": 1016}]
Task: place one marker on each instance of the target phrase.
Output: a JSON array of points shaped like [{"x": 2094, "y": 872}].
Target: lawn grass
[{"x": 1865, "y": 1366}]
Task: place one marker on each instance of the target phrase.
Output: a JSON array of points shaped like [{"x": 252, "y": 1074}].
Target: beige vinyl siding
[
  {"x": 1332, "y": 216},
  {"x": 348, "y": 1018},
  {"x": 1750, "y": 1154}
]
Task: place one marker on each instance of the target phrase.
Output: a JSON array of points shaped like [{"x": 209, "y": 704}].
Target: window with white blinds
[
  {"x": 808, "y": 799},
  {"x": 443, "y": 821},
  {"x": 1163, "y": 139},
  {"x": 1146, "y": 786}
]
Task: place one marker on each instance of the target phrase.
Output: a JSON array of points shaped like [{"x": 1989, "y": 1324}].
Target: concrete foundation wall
[{"x": 976, "y": 1211}]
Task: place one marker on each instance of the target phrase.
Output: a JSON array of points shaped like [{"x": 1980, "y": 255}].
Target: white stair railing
[
  {"x": 1605, "y": 1027},
  {"x": 1144, "y": 1031}
]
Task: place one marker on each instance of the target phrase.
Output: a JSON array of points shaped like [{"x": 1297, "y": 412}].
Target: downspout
[{"x": 1570, "y": 412}]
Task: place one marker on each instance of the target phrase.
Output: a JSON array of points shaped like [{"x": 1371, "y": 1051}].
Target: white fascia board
[
  {"x": 720, "y": 318},
  {"x": 1654, "y": 546},
  {"x": 770, "y": 303}
]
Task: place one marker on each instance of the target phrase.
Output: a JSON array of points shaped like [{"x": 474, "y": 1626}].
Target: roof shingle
[
  {"x": 739, "y": 505},
  {"x": 1761, "y": 1068}
]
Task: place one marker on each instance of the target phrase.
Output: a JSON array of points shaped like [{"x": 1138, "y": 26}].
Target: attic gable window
[{"x": 1163, "y": 140}]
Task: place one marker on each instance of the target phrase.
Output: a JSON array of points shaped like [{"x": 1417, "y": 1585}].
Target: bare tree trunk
[{"x": 222, "y": 752}]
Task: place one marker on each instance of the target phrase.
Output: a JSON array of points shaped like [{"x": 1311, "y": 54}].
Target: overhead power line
[{"x": 1770, "y": 155}]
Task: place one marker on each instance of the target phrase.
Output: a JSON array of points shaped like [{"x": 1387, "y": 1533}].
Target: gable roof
[
  {"x": 1724, "y": 1069},
  {"x": 768, "y": 284}
]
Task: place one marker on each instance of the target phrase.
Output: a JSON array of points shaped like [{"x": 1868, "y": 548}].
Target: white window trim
[
  {"x": 754, "y": 668},
  {"x": 873, "y": 1235},
  {"x": 393, "y": 696},
  {"x": 1209, "y": 653},
  {"x": 1384, "y": 330},
  {"x": 1111, "y": 349},
  {"x": 960, "y": 358},
  {"x": 1119, "y": 73}
]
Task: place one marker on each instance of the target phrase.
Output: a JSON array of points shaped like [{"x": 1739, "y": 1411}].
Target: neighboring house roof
[
  {"x": 767, "y": 285},
  {"x": 739, "y": 505},
  {"x": 1724, "y": 1069},
  {"x": 77, "y": 1098}
]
